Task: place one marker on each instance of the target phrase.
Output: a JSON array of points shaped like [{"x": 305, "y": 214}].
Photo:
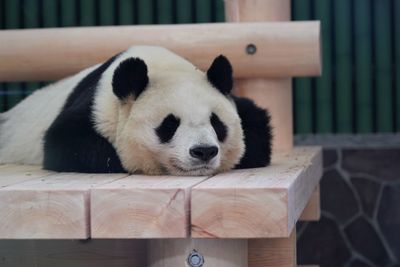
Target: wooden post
[
  {"x": 276, "y": 252},
  {"x": 273, "y": 92},
  {"x": 276, "y": 96}
]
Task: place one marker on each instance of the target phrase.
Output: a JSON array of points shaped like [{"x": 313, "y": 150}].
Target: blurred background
[{"x": 353, "y": 110}]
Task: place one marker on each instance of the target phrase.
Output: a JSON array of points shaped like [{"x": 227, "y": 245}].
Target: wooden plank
[
  {"x": 257, "y": 203},
  {"x": 273, "y": 252},
  {"x": 312, "y": 212},
  {"x": 216, "y": 252},
  {"x": 51, "y": 207},
  {"x": 283, "y": 49},
  {"x": 142, "y": 207},
  {"x": 14, "y": 174},
  {"x": 66, "y": 253}
]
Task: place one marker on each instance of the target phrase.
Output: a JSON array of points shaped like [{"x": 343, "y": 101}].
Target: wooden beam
[
  {"x": 50, "y": 207},
  {"x": 13, "y": 174},
  {"x": 257, "y": 203},
  {"x": 312, "y": 212},
  {"x": 273, "y": 252},
  {"x": 282, "y": 49},
  {"x": 142, "y": 207}
]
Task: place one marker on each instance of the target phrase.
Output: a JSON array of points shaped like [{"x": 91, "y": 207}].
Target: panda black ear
[
  {"x": 220, "y": 74},
  {"x": 130, "y": 78}
]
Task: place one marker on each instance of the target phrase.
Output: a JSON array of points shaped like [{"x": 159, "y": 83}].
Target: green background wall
[{"x": 359, "y": 91}]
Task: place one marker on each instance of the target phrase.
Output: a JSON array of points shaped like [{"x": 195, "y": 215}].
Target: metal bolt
[
  {"x": 251, "y": 49},
  {"x": 195, "y": 259}
]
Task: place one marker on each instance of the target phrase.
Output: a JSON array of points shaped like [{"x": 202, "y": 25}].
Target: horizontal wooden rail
[{"x": 283, "y": 49}]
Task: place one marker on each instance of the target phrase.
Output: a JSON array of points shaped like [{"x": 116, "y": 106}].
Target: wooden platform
[{"x": 264, "y": 202}]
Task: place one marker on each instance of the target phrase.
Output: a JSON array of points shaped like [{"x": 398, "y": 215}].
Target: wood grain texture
[
  {"x": 273, "y": 252},
  {"x": 67, "y": 253},
  {"x": 283, "y": 49},
  {"x": 216, "y": 252},
  {"x": 50, "y": 207},
  {"x": 257, "y": 203},
  {"x": 12, "y": 174},
  {"x": 142, "y": 207},
  {"x": 312, "y": 212}
]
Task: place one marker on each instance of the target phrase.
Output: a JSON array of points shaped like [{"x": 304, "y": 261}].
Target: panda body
[
  {"x": 22, "y": 128},
  {"x": 145, "y": 110}
]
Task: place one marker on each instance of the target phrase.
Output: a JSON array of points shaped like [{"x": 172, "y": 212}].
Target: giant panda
[{"x": 145, "y": 110}]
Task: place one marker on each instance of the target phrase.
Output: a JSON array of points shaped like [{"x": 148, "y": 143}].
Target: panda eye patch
[
  {"x": 166, "y": 130},
  {"x": 219, "y": 127}
]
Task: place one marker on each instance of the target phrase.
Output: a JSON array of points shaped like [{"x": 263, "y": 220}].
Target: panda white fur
[{"x": 144, "y": 110}]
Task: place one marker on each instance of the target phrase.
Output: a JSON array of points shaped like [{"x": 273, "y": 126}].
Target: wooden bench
[{"x": 238, "y": 218}]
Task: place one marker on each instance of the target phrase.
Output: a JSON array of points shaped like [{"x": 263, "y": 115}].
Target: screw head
[
  {"x": 251, "y": 49},
  {"x": 195, "y": 259}
]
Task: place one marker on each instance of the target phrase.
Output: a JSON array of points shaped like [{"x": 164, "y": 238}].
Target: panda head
[{"x": 176, "y": 120}]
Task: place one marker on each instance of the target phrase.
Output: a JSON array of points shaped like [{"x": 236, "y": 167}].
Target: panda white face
[
  {"x": 181, "y": 125},
  {"x": 182, "y": 122}
]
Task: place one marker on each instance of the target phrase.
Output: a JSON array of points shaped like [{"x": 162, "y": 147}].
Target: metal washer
[{"x": 195, "y": 259}]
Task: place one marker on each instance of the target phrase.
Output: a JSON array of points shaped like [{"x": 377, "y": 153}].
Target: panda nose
[{"x": 204, "y": 153}]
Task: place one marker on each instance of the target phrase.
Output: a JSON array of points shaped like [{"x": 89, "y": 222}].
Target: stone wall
[{"x": 360, "y": 199}]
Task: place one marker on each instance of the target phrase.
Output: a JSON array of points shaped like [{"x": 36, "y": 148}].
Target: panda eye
[
  {"x": 219, "y": 127},
  {"x": 166, "y": 130}
]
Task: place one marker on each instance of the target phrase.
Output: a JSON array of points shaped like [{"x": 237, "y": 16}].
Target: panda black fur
[
  {"x": 72, "y": 143},
  {"x": 127, "y": 115}
]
